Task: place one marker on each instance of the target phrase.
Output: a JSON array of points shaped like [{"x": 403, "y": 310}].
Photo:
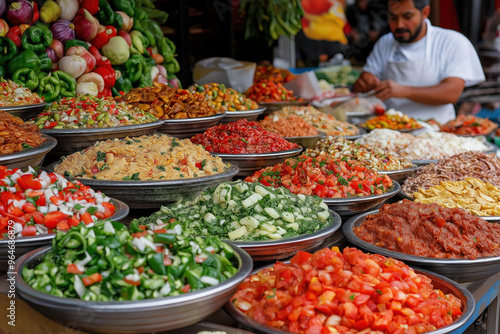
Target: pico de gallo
[
  {"x": 108, "y": 262},
  {"x": 241, "y": 137},
  {"x": 46, "y": 203},
  {"x": 87, "y": 111},
  {"x": 269, "y": 91},
  {"x": 345, "y": 292},
  {"x": 324, "y": 177},
  {"x": 469, "y": 125},
  {"x": 392, "y": 120}
]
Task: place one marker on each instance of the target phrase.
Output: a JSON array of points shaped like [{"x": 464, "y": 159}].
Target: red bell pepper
[
  {"x": 101, "y": 38},
  {"x": 106, "y": 92},
  {"x": 36, "y": 13},
  {"x": 14, "y": 35},
  {"x": 111, "y": 31},
  {"x": 103, "y": 62},
  {"x": 92, "y": 6},
  {"x": 97, "y": 55},
  {"x": 108, "y": 74}
]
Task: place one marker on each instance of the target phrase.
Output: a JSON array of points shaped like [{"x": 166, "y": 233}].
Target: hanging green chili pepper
[
  {"x": 67, "y": 83},
  {"x": 50, "y": 87}
]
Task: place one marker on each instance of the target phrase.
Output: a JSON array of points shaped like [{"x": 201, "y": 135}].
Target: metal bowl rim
[
  {"x": 400, "y": 130},
  {"x": 270, "y": 155},
  {"x": 413, "y": 168},
  {"x": 362, "y": 199},
  {"x": 23, "y": 107},
  {"x": 360, "y": 133},
  {"x": 469, "y": 306},
  {"x": 233, "y": 170},
  {"x": 38, "y": 238},
  {"x": 252, "y": 112},
  {"x": 105, "y": 130},
  {"x": 285, "y": 103},
  {"x": 49, "y": 143},
  {"x": 352, "y": 238},
  {"x": 323, "y": 232},
  {"x": 194, "y": 119},
  {"x": 244, "y": 268}
]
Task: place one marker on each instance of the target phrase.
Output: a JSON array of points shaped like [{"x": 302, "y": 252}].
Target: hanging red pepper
[
  {"x": 103, "y": 62},
  {"x": 101, "y": 38},
  {"x": 92, "y": 6},
  {"x": 14, "y": 35},
  {"x": 111, "y": 31},
  {"x": 36, "y": 14},
  {"x": 94, "y": 52},
  {"x": 106, "y": 92},
  {"x": 108, "y": 74}
]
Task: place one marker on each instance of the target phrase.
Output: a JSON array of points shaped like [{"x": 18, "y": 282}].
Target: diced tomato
[
  {"x": 28, "y": 230},
  {"x": 28, "y": 207},
  {"x": 87, "y": 218},
  {"x": 52, "y": 218},
  {"x": 186, "y": 288},
  {"x": 139, "y": 234},
  {"x": 91, "y": 279},
  {"x": 131, "y": 282},
  {"x": 73, "y": 269},
  {"x": 63, "y": 225},
  {"x": 38, "y": 217},
  {"x": 26, "y": 181}
]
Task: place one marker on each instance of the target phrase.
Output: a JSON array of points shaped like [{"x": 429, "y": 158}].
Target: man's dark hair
[{"x": 419, "y": 4}]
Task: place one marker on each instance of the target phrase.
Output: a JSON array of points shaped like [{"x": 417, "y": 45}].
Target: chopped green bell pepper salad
[
  {"x": 243, "y": 211},
  {"x": 110, "y": 262}
]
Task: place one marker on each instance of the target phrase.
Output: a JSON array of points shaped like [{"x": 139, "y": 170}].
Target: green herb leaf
[
  {"x": 343, "y": 181},
  {"x": 161, "y": 167},
  {"x": 100, "y": 156}
]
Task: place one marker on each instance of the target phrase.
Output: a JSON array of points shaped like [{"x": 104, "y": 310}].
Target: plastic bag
[
  {"x": 230, "y": 72},
  {"x": 355, "y": 110}
]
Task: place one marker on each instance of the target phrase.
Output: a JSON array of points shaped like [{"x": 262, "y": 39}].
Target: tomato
[
  {"x": 131, "y": 282},
  {"x": 73, "y": 269},
  {"x": 91, "y": 279},
  {"x": 52, "y": 218},
  {"x": 186, "y": 288},
  {"x": 28, "y": 230},
  {"x": 26, "y": 181},
  {"x": 87, "y": 218}
]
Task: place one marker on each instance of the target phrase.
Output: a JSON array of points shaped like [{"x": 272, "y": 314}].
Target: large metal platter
[
  {"x": 273, "y": 106},
  {"x": 308, "y": 141},
  {"x": 25, "y": 112},
  {"x": 27, "y": 244},
  {"x": 73, "y": 140},
  {"x": 249, "y": 163},
  {"x": 138, "y": 316},
  {"x": 272, "y": 250},
  {"x": 492, "y": 219},
  {"x": 188, "y": 127},
  {"x": 31, "y": 157},
  {"x": 354, "y": 137},
  {"x": 355, "y": 205},
  {"x": 249, "y": 115},
  {"x": 400, "y": 175},
  {"x": 154, "y": 194},
  {"x": 438, "y": 282},
  {"x": 459, "y": 270},
  {"x": 493, "y": 149}
]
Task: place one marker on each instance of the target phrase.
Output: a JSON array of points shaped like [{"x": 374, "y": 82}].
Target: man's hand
[
  {"x": 365, "y": 82},
  {"x": 388, "y": 88}
]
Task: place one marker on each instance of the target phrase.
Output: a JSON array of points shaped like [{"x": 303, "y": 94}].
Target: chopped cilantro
[
  {"x": 360, "y": 186},
  {"x": 273, "y": 295},
  {"x": 343, "y": 181},
  {"x": 92, "y": 210},
  {"x": 175, "y": 143},
  {"x": 371, "y": 189},
  {"x": 378, "y": 291},
  {"x": 345, "y": 158},
  {"x": 25, "y": 146},
  {"x": 321, "y": 182},
  {"x": 177, "y": 168},
  {"x": 203, "y": 163},
  {"x": 100, "y": 156},
  {"x": 135, "y": 176},
  {"x": 351, "y": 297},
  {"x": 136, "y": 140},
  {"x": 161, "y": 167},
  {"x": 128, "y": 142}
]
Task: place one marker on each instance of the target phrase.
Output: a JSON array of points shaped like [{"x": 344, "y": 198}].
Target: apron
[{"x": 418, "y": 73}]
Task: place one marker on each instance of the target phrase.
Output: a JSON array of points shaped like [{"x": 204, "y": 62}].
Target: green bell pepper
[
  {"x": 2, "y": 72},
  {"x": 126, "y": 6},
  {"x": 7, "y": 50},
  {"x": 142, "y": 27},
  {"x": 139, "y": 42},
  {"x": 155, "y": 29},
  {"x": 45, "y": 62},
  {"x": 67, "y": 83},
  {"x": 145, "y": 80},
  {"x": 25, "y": 59},
  {"x": 36, "y": 38},
  {"x": 134, "y": 67},
  {"x": 117, "y": 21},
  {"x": 173, "y": 66},
  {"x": 165, "y": 49},
  {"x": 149, "y": 59},
  {"x": 26, "y": 77},
  {"x": 122, "y": 84},
  {"x": 75, "y": 42},
  {"x": 50, "y": 87},
  {"x": 105, "y": 15}
]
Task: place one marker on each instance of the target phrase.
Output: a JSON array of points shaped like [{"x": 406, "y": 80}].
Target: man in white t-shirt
[{"x": 420, "y": 69}]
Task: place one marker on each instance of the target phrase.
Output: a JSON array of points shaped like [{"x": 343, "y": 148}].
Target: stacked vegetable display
[{"x": 64, "y": 47}]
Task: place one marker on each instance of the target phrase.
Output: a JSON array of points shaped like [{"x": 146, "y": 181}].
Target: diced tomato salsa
[
  {"x": 324, "y": 177},
  {"x": 345, "y": 292}
]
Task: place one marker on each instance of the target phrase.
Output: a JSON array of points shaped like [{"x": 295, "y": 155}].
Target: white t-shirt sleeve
[
  {"x": 459, "y": 59},
  {"x": 377, "y": 60}
]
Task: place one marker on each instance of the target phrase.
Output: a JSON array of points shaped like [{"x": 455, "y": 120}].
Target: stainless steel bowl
[
  {"x": 400, "y": 130},
  {"x": 188, "y": 127},
  {"x": 400, "y": 175},
  {"x": 459, "y": 270},
  {"x": 25, "y": 112},
  {"x": 308, "y": 141},
  {"x": 492, "y": 219},
  {"x": 73, "y": 140},
  {"x": 272, "y": 250},
  {"x": 438, "y": 282},
  {"x": 30, "y": 157},
  {"x": 273, "y": 106},
  {"x": 207, "y": 326},
  {"x": 354, "y": 137},
  {"x": 249, "y": 115},
  {"x": 27, "y": 244},
  {"x": 140, "y": 316},
  {"x": 250, "y": 163},
  {"x": 355, "y": 205},
  {"x": 154, "y": 194}
]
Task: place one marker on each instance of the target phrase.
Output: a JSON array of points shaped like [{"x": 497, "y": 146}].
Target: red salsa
[{"x": 242, "y": 137}]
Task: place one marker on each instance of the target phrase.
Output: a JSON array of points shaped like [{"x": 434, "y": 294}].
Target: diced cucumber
[
  {"x": 249, "y": 221},
  {"x": 271, "y": 212},
  {"x": 323, "y": 215},
  {"x": 238, "y": 233},
  {"x": 288, "y": 217}
]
